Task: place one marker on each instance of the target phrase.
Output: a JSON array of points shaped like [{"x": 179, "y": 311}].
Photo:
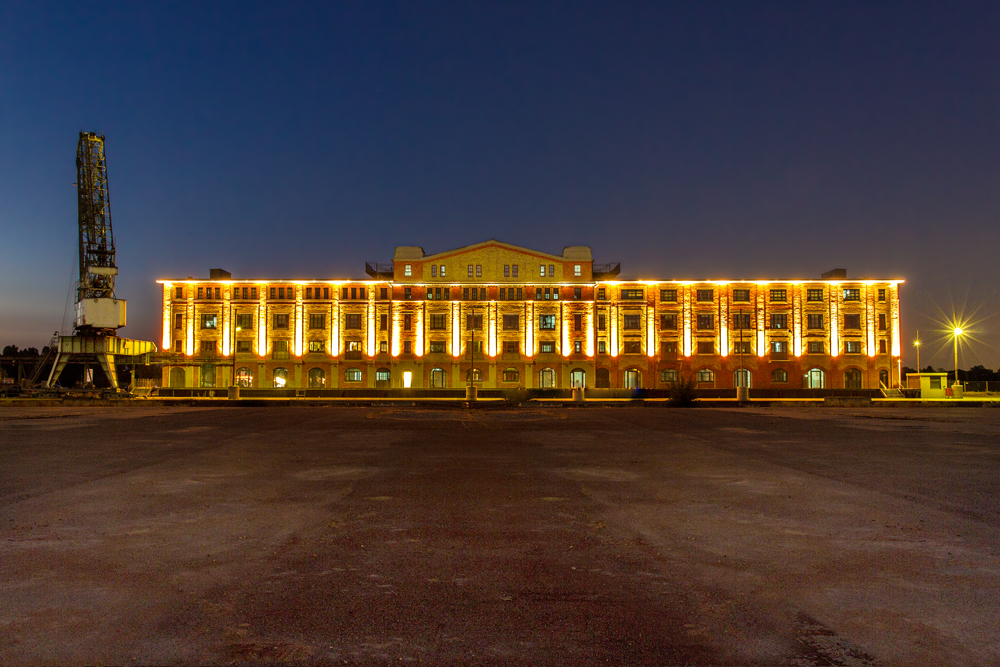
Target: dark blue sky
[{"x": 702, "y": 140}]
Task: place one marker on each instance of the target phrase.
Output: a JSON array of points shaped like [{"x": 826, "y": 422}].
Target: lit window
[
  {"x": 669, "y": 295},
  {"x": 578, "y": 346},
  {"x": 479, "y": 270},
  {"x": 470, "y": 270},
  {"x": 510, "y": 375},
  {"x": 668, "y": 375},
  {"x": 552, "y": 270},
  {"x": 602, "y": 347},
  {"x": 881, "y": 295},
  {"x": 814, "y": 295},
  {"x": 316, "y": 346},
  {"x": 779, "y": 321},
  {"x": 632, "y": 294},
  {"x": 442, "y": 271},
  {"x": 852, "y": 294},
  {"x": 506, "y": 270},
  {"x": 547, "y": 322},
  {"x": 779, "y": 295},
  {"x": 706, "y": 375},
  {"x": 546, "y": 346},
  {"x": 815, "y": 347},
  {"x": 407, "y": 271},
  {"x": 577, "y": 271},
  {"x": 352, "y": 375},
  {"x": 437, "y": 347},
  {"x": 602, "y": 294},
  {"x": 515, "y": 270},
  {"x": 779, "y": 375},
  {"x": 741, "y": 295},
  {"x": 541, "y": 270},
  {"x": 742, "y": 347},
  {"x": 209, "y": 321},
  {"x": 852, "y": 346}
]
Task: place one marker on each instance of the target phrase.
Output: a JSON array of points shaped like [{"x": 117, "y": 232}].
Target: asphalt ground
[{"x": 627, "y": 536}]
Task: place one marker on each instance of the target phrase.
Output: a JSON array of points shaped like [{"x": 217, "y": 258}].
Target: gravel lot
[{"x": 801, "y": 536}]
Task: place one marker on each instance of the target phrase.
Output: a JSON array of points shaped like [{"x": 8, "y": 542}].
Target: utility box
[
  {"x": 931, "y": 385},
  {"x": 102, "y": 313}
]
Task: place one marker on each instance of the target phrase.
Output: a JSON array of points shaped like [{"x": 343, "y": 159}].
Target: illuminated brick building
[{"x": 516, "y": 317}]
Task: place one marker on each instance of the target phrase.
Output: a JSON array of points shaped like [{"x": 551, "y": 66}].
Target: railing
[
  {"x": 609, "y": 269},
  {"x": 379, "y": 269}
]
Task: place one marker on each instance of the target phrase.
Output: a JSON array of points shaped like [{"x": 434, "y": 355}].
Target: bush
[{"x": 683, "y": 392}]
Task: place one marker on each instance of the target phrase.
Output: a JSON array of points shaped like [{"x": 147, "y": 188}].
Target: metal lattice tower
[{"x": 97, "y": 243}]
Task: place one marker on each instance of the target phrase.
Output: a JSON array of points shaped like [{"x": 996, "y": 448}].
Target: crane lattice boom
[{"x": 97, "y": 242}]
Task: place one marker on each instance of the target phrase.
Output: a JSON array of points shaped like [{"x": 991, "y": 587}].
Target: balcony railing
[
  {"x": 379, "y": 270},
  {"x": 605, "y": 271}
]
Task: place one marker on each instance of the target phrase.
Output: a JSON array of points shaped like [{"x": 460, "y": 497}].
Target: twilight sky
[{"x": 695, "y": 140}]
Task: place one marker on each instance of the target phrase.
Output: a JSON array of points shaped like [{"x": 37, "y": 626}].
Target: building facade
[{"x": 504, "y": 316}]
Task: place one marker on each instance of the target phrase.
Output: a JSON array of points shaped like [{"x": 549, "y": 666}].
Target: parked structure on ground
[{"x": 500, "y": 315}]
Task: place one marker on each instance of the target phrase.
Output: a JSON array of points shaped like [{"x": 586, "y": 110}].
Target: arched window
[
  {"x": 546, "y": 378},
  {"x": 511, "y": 375},
  {"x": 883, "y": 378},
  {"x": 439, "y": 379},
  {"x": 317, "y": 378},
  {"x": 578, "y": 378},
  {"x": 668, "y": 375},
  {"x": 352, "y": 375},
  {"x": 244, "y": 377},
  {"x": 779, "y": 375},
  {"x": 208, "y": 375},
  {"x": 176, "y": 377},
  {"x": 706, "y": 375},
  {"x": 474, "y": 375},
  {"x": 852, "y": 378},
  {"x": 633, "y": 379},
  {"x": 280, "y": 377},
  {"x": 382, "y": 378},
  {"x": 815, "y": 379},
  {"x": 602, "y": 378},
  {"x": 741, "y": 378}
]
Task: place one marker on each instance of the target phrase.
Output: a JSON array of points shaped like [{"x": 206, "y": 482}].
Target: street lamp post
[
  {"x": 956, "y": 389},
  {"x": 916, "y": 344}
]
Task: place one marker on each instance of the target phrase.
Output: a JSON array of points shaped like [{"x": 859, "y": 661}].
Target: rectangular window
[
  {"x": 317, "y": 321},
  {"x": 383, "y": 293},
  {"x": 704, "y": 295},
  {"x": 552, "y": 270},
  {"x": 555, "y": 293},
  {"x": 407, "y": 322},
  {"x": 779, "y": 321},
  {"x": 852, "y": 321},
  {"x": 447, "y": 293},
  {"x": 503, "y": 293},
  {"x": 743, "y": 321},
  {"x": 506, "y": 270},
  {"x": 510, "y": 323},
  {"x": 779, "y": 349},
  {"x": 326, "y": 292},
  {"x": 881, "y": 322},
  {"x": 437, "y": 347},
  {"x": 316, "y": 346},
  {"x": 578, "y": 346},
  {"x": 209, "y": 321},
  {"x": 434, "y": 271},
  {"x": 882, "y": 346},
  {"x": 602, "y": 294},
  {"x": 632, "y": 321},
  {"x": 538, "y": 293},
  {"x": 546, "y": 347},
  {"x": 201, "y": 292},
  {"x": 633, "y": 347},
  {"x": 475, "y": 347},
  {"x": 602, "y": 322},
  {"x": 814, "y": 295},
  {"x": 407, "y": 269},
  {"x": 520, "y": 294},
  {"x": 668, "y": 295},
  {"x": 741, "y": 295},
  {"x": 280, "y": 321},
  {"x": 511, "y": 347},
  {"x": 577, "y": 322},
  {"x": 253, "y": 292},
  {"x": 383, "y": 322},
  {"x": 178, "y": 320},
  {"x": 280, "y": 349},
  {"x": 430, "y": 293},
  {"x": 814, "y": 320},
  {"x": 407, "y": 347},
  {"x": 815, "y": 347},
  {"x": 706, "y": 321},
  {"x": 470, "y": 270},
  {"x": 383, "y": 346},
  {"x": 632, "y": 294},
  {"x": 408, "y": 293},
  {"x": 281, "y": 292},
  {"x": 244, "y": 346},
  {"x": 779, "y": 295},
  {"x": 852, "y": 294},
  {"x": 218, "y": 292},
  {"x": 208, "y": 347},
  {"x": 179, "y": 293},
  {"x": 178, "y": 346},
  {"x": 706, "y": 347},
  {"x": 548, "y": 294},
  {"x": 852, "y": 346},
  {"x": 881, "y": 295},
  {"x": 244, "y": 321},
  {"x": 602, "y": 347},
  {"x": 353, "y": 321},
  {"x": 668, "y": 375},
  {"x": 273, "y": 293},
  {"x": 439, "y": 321},
  {"x": 668, "y": 349},
  {"x": 577, "y": 270},
  {"x": 515, "y": 270},
  {"x": 742, "y": 347},
  {"x": 577, "y": 293},
  {"x": 473, "y": 322},
  {"x": 344, "y": 293},
  {"x": 541, "y": 270},
  {"x": 668, "y": 322},
  {"x": 479, "y": 270},
  {"x": 309, "y": 292}
]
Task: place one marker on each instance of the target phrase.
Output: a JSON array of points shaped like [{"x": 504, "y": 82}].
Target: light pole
[
  {"x": 916, "y": 344},
  {"x": 957, "y": 332}
]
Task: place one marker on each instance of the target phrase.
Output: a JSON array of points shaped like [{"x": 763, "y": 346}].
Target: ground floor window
[
  {"x": 382, "y": 378},
  {"x": 742, "y": 377},
  {"x": 578, "y": 378},
  {"x": 317, "y": 378},
  {"x": 706, "y": 375},
  {"x": 208, "y": 375},
  {"x": 668, "y": 375},
  {"x": 852, "y": 379},
  {"x": 547, "y": 378},
  {"x": 352, "y": 375},
  {"x": 474, "y": 375},
  {"x": 511, "y": 375},
  {"x": 779, "y": 375},
  {"x": 244, "y": 377},
  {"x": 439, "y": 379},
  {"x": 633, "y": 379},
  {"x": 280, "y": 377},
  {"x": 177, "y": 377},
  {"x": 603, "y": 378}
]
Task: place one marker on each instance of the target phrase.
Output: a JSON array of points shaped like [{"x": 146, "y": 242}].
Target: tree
[
  {"x": 10, "y": 351},
  {"x": 980, "y": 373}
]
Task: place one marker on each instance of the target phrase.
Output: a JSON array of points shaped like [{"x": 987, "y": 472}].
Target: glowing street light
[
  {"x": 958, "y": 332},
  {"x": 916, "y": 344}
]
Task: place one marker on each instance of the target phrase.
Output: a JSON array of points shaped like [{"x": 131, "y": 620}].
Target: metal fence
[{"x": 982, "y": 386}]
